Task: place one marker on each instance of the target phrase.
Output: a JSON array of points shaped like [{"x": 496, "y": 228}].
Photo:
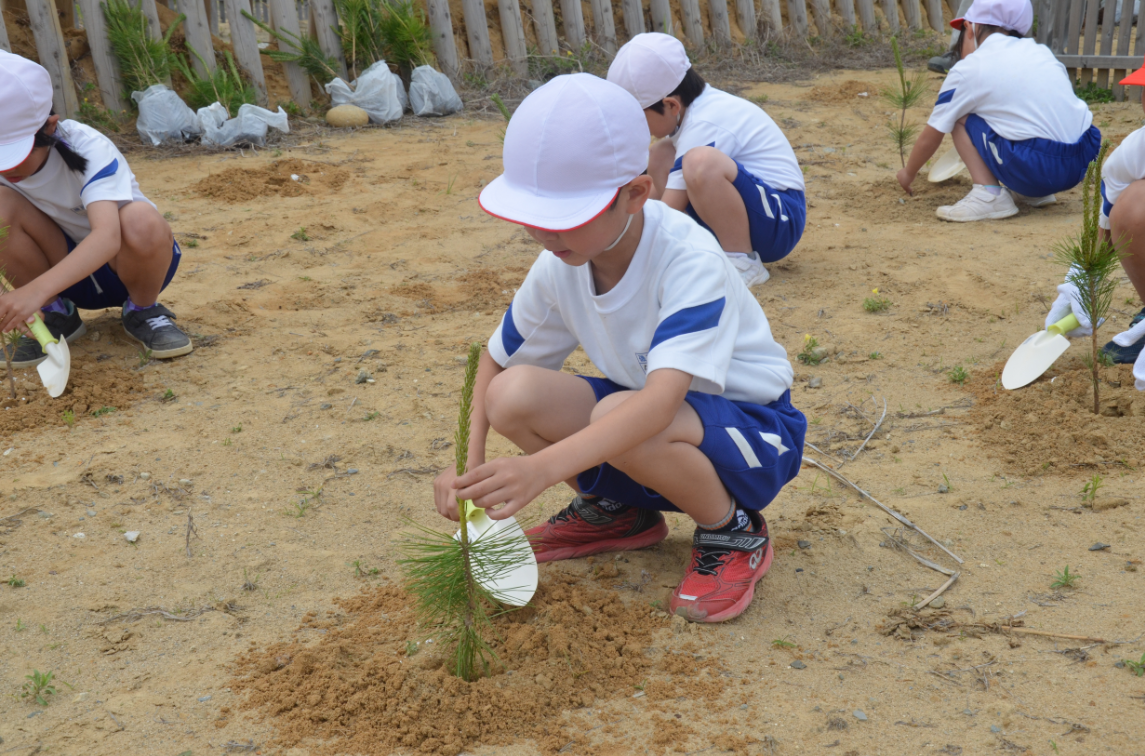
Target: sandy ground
[{"x": 276, "y": 623}]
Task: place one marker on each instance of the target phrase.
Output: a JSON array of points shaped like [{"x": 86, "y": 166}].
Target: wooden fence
[{"x": 1099, "y": 42}]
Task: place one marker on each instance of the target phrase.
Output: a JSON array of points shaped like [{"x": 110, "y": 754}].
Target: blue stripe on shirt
[
  {"x": 689, "y": 320},
  {"x": 511, "y": 338},
  {"x": 106, "y": 172},
  {"x": 679, "y": 164},
  {"x": 1106, "y": 205},
  {"x": 944, "y": 97}
]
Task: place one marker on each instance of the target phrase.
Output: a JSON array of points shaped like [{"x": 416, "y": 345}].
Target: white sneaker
[
  {"x": 1049, "y": 199},
  {"x": 979, "y": 205},
  {"x": 750, "y": 268}
]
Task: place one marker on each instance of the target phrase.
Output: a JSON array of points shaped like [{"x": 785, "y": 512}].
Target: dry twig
[{"x": 191, "y": 531}]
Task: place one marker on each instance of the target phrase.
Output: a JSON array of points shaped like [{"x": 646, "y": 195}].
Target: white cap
[
  {"x": 26, "y": 101},
  {"x": 650, "y": 67},
  {"x": 1017, "y": 15},
  {"x": 569, "y": 148}
]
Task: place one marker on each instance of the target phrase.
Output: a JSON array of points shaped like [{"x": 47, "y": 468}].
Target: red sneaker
[
  {"x": 725, "y": 567},
  {"x": 582, "y": 529}
]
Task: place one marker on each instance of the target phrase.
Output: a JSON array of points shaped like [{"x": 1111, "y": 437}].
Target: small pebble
[
  {"x": 363, "y": 376},
  {"x": 326, "y": 406},
  {"x": 638, "y": 694},
  {"x": 185, "y": 481},
  {"x": 78, "y": 535},
  {"x": 804, "y": 544},
  {"x": 203, "y": 699},
  {"x": 938, "y": 603},
  {"x": 95, "y": 336},
  {"x": 815, "y": 382},
  {"x": 859, "y": 715},
  {"x": 145, "y": 476},
  {"x": 587, "y": 610},
  {"x": 91, "y": 513},
  {"x": 943, "y": 488},
  {"x": 1099, "y": 546},
  {"x": 995, "y": 728},
  {"x": 132, "y": 536},
  {"x": 337, "y": 359},
  {"x": 798, "y": 665}
]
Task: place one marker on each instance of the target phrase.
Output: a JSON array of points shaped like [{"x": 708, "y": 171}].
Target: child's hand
[
  {"x": 512, "y": 481},
  {"x": 905, "y": 180},
  {"x": 445, "y": 494},
  {"x": 17, "y": 308}
]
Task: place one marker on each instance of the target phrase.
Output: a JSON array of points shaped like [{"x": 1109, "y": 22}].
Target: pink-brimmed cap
[
  {"x": 26, "y": 102},
  {"x": 569, "y": 148},
  {"x": 1017, "y": 15},
  {"x": 650, "y": 66}
]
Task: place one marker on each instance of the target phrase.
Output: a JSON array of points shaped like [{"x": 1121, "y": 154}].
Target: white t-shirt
[
  {"x": 681, "y": 304},
  {"x": 740, "y": 130},
  {"x": 1018, "y": 87},
  {"x": 1124, "y": 165},
  {"x": 63, "y": 194}
]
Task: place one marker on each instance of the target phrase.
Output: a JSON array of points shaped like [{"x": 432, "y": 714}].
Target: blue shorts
[
  {"x": 1034, "y": 167},
  {"x": 104, "y": 289},
  {"x": 775, "y": 218},
  {"x": 740, "y": 440}
]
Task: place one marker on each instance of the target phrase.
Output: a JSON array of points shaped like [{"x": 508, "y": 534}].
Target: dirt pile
[
  {"x": 282, "y": 178},
  {"x": 1049, "y": 426},
  {"x": 94, "y": 387},
  {"x": 368, "y": 682},
  {"x": 846, "y": 92}
]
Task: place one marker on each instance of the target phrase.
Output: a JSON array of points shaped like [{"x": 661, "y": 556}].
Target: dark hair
[
  {"x": 690, "y": 88},
  {"x": 71, "y": 158},
  {"x": 988, "y": 28}
]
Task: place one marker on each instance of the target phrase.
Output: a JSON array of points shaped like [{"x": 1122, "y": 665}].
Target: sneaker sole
[
  {"x": 650, "y": 537},
  {"x": 740, "y": 606},
  {"x": 32, "y": 363},
  {"x": 990, "y": 216},
  {"x": 164, "y": 354},
  {"x": 1042, "y": 203}
]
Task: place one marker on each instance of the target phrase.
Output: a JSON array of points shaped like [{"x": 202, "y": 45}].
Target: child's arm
[
  {"x": 677, "y": 199},
  {"x": 925, "y": 146},
  {"x": 89, "y": 255},
  {"x": 444, "y": 486},
  {"x": 516, "y": 481}
]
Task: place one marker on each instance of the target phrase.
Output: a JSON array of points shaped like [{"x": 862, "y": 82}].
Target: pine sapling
[
  {"x": 444, "y": 573},
  {"x": 12, "y": 338},
  {"x": 906, "y": 96},
  {"x": 1093, "y": 259},
  {"x": 303, "y": 51}
]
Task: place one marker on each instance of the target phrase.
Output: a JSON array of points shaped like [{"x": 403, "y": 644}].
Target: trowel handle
[
  {"x": 1065, "y": 325},
  {"x": 41, "y": 332}
]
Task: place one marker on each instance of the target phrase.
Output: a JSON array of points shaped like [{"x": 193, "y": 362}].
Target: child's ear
[
  {"x": 50, "y": 126},
  {"x": 637, "y": 192}
]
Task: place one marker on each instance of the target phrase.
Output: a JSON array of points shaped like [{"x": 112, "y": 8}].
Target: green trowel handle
[
  {"x": 41, "y": 332},
  {"x": 469, "y": 510},
  {"x": 1065, "y": 325}
]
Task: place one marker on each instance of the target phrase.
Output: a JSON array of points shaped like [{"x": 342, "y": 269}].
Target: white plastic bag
[
  {"x": 402, "y": 96},
  {"x": 375, "y": 92},
  {"x": 431, "y": 93},
  {"x": 248, "y": 127},
  {"x": 163, "y": 116}
]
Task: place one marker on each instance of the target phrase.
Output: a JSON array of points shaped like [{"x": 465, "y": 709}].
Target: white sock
[{"x": 995, "y": 190}]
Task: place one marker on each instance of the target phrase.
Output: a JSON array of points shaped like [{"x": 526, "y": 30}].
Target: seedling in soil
[
  {"x": 168, "y": 396},
  {"x": 906, "y": 96},
  {"x": 248, "y": 583},
  {"x": 300, "y": 234},
  {"x": 946, "y": 482},
  {"x": 1094, "y": 260},
  {"x": 812, "y": 353},
  {"x": 957, "y": 374},
  {"x": 103, "y": 411},
  {"x": 875, "y": 356},
  {"x": 876, "y": 303},
  {"x": 227, "y": 442},
  {"x": 784, "y": 642},
  {"x": 1136, "y": 667},
  {"x": 360, "y": 571},
  {"x": 69, "y": 418},
  {"x": 237, "y": 429},
  {"x": 20, "y": 626},
  {"x": 144, "y": 357},
  {"x": 1090, "y": 489},
  {"x": 371, "y": 416},
  {"x": 1065, "y": 579},
  {"x": 16, "y": 582},
  {"x": 411, "y": 648},
  {"x": 39, "y": 687}
]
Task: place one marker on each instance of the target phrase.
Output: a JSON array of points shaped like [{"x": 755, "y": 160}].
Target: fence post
[
  {"x": 284, "y": 15},
  {"x": 633, "y": 18},
  {"x": 441, "y": 26},
  {"x": 324, "y": 17},
  {"x": 106, "y": 68},
  {"x": 1123, "y": 35},
  {"x": 212, "y": 15},
  {"x": 745, "y": 15},
  {"x": 68, "y": 9},
  {"x": 1106, "y": 45},
  {"x": 152, "y": 15},
  {"x": 867, "y": 16},
  {"x": 693, "y": 24},
  {"x": 822, "y": 11},
  {"x": 198, "y": 34},
  {"x": 913, "y": 13},
  {"x": 605, "y": 25},
  {"x": 847, "y": 12},
  {"x": 245, "y": 43},
  {"x": 718, "y": 17},
  {"x": 513, "y": 36},
  {"x": 574, "y": 23},
  {"x": 1091, "y": 35},
  {"x": 545, "y": 27},
  {"x": 891, "y": 11},
  {"x": 49, "y": 37},
  {"x": 797, "y": 17},
  {"x": 1073, "y": 33},
  {"x": 661, "y": 14},
  {"x": 934, "y": 15},
  {"x": 774, "y": 16}
]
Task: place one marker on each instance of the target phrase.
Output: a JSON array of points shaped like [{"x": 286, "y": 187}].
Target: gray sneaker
[
  {"x": 154, "y": 330},
  {"x": 28, "y": 351},
  {"x": 941, "y": 64}
]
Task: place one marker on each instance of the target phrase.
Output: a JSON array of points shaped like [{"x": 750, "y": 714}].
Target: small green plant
[
  {"x": 1090, "y": 489},
  {"x": 496, "y": 98},
  {"x": 144, "y": 357},
  {"x": 374, "y": 415},
  {"x": 16, "y": 582},
  {"x": 300, "y": 234},
  {"x": 237, "y": 429},
  {"x": 361, "y": 571},
  {"x": 1054, "y": 746},
  {"x": 395, "y": 31},
  {"x": 1093, "y": 262},
  {"x": 812, "y": 353},
  {"x": 641, "y": 685},
  {"x": 250, "y": 584},
  {"x": 957, "y": 374},
  {"x": 168, "y": 396},
  {"x": 411, "y": 648},
  {"x": 875, "y": 356},
  {"x": 224, "y": 85},
  {"x": 876, "y": 303},
  {"x": 103, "y": 411},
  {"x": 301, "y": 50},
  {"x": 784, "y": 642},
  {"x": 1092, "y": 93},
  {"x": 854, "y": 37},
  {"x": 20, "y": 626},
  {"x": 95, "y": 115},
  {"x": 906, "y": 96},
  {"x": 449, "y": 185},
  {"x": 38, "y": 687},
  {"x": 911, "y": 602},
  {"x": 228, "y": 442},
  {"x": 1065, "y": 578},
  {"x": 69, "y": 418},
  {"x": 143, "y": 61},
  {"x": 1136, "y": 667},
  {"x": 191, "y": 243}
]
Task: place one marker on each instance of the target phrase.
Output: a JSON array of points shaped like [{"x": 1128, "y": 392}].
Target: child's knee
[
  {"x": 507, "y": 395},
  {"x": 705, "y": 164},
  {"x": 1128, "y": 215},
  {"x": 143, "y": 229}
]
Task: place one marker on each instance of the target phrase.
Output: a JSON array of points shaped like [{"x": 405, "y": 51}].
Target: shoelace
[
  {"x": 159, "y": 322},
  {"x": 709, "y": 560},
  {"x": 562, "y": 516}
]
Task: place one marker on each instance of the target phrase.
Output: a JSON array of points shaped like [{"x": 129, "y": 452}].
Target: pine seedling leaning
[{"x": 906, "y": 96}]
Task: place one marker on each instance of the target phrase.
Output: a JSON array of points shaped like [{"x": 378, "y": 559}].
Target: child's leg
[
  {"x": 979, "y": 171},
  {"x": 661, "y": 157},
  {"x": 1127, "y": 225},
  {"x": 34, "y": 244},
  {"x": 710, "y": 176},
  {"x": 145, "y": 255}
]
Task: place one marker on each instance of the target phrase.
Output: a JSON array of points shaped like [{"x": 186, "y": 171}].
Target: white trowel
[
  {"x": 515, "y": 584},
  {"x": 55, "y": 370},
  {"x": 946, "y": 167},
  {"x": 1036, "y": 354}
]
